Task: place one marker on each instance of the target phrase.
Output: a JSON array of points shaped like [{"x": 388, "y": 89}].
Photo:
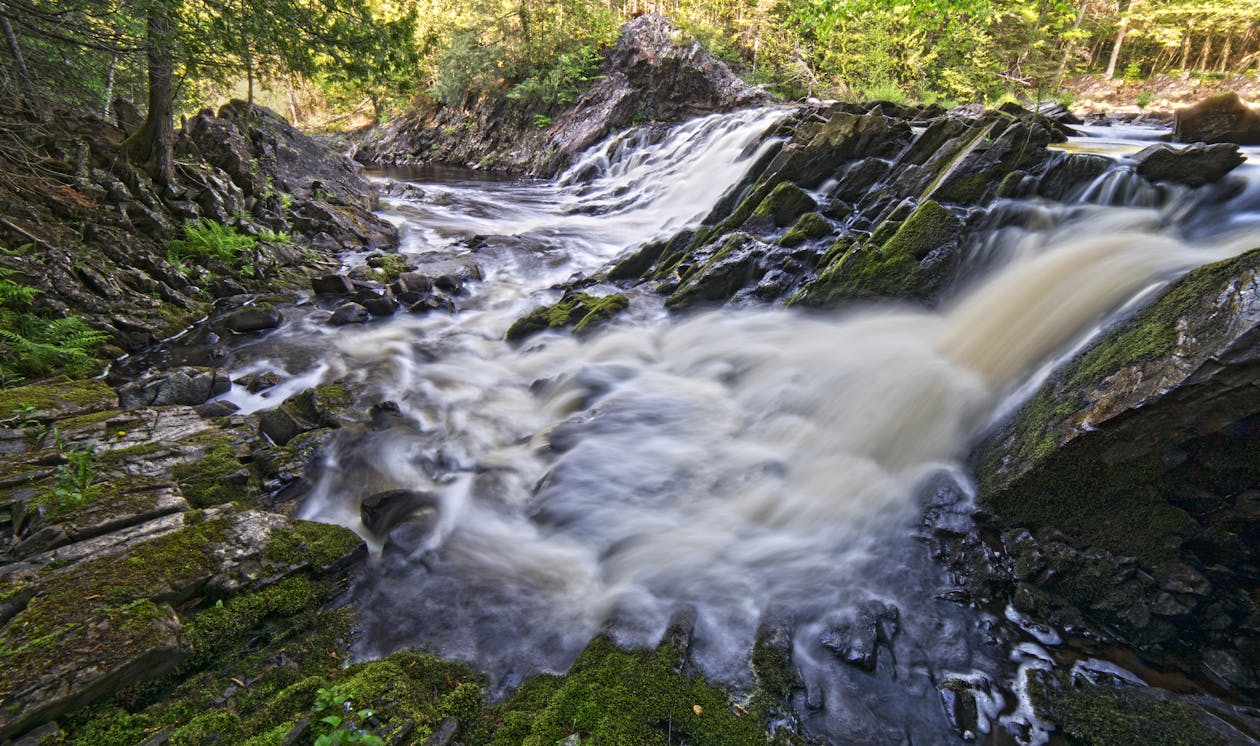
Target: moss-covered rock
[
  {"x": 580, "y": 311},
  {"x": 55, "y": 401},
  {"x": 785, "y": 203},
  {"x": 891, "y": 269},
  {"x": 811, "y": 226},
  {"x": 1117, "y": 714}
]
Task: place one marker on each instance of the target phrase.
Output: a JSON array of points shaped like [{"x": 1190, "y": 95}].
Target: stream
[{"x": 751, "y": 469}]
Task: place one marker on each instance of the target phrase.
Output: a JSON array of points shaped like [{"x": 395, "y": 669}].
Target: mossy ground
[{"x": 54, "y": 400}]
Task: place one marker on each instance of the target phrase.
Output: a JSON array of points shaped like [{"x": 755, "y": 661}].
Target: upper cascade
[{"x": 651, "y": 74}]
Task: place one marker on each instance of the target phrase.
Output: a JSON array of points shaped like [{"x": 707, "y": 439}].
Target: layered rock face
[
  {"x": 1223, "y": 118},
  {"x": 651, "y": 74}
]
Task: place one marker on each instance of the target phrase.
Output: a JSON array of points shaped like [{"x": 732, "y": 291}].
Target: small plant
[
  {"x": 270, "y": 236},
  {"x": 1132, "y": 73},
  {"x": 286, "y": 200},
  {"x": 1143, "y": 98},
  {"x": 883, "y": 91},
  {"x": 345, "y": 722},
  {"x": 542, "y": 121},
  {"x": 209, "y": 239},
  {"x": 76, "y": 477}
]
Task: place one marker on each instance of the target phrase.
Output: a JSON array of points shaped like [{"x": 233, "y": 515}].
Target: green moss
[
  {"x": 217, "y": 628},
  {"x": 785, "y": 203},
  {"x": 319, "y": 545},
  {"x": 56, "y": 400},
  {"x": 1117, "y": 716},
  {"x": 578, "y": 310},
  {"x": 389, "y": 266},
  {"x": 216, "y": 478},
  {"x": 214, "y": 727},
  {"x": 967, "y": 189},
  {"x": 887, "y": 270},
  {"x": 810, "y": 226},
  {"x": 612, "y": 695}
]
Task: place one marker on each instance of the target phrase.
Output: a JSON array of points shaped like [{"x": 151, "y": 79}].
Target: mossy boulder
[
  {"x": 1121, "y": 713},
  {"x": 889, "y": 266},
  {"x": 785, "y": 203},
  {"x": 580, "y": 311},
  {"x": 811, "y": 226},
  {"x": 1139, "y": 448}
]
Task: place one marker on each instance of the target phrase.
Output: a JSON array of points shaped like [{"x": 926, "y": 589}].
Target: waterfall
[{"x": 744, "y": 464}]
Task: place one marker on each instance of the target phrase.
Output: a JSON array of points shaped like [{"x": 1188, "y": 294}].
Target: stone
[
  {"x": 187, "y": 385},
  {"x": 856, "y": 641},
  {"x": 379, "y": 302},
  {"x": 1194, "y": 166},
  {"x": 384, "y": 511},
  {"x": 254, "y": 318},
  {"x": 1217, "y": 119},
  {"x": 349, "y": 313},
  {"x": 332, "y": 285}
]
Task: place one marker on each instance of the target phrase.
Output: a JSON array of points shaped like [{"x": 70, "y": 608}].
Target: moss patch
[
  {"x": 613, "y": 696},
  {"x": 578, "y": 310},
  {"x": 810, "y": 226},
  {"x": 52, "y": 401},
  {"x": 1118, "y": 716},
  {"x": 890, "y": 269},
  {"x": 218, "y": 477},
  {"x": 785, "y": 203}
]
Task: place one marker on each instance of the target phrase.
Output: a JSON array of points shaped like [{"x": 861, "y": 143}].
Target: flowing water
[{"x": 752, "y": 466}]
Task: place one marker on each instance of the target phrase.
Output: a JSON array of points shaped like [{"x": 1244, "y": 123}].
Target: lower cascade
[{"x": 753, "y": 476}]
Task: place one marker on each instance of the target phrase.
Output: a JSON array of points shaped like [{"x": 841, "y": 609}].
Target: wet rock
[
  {"x": 1194, "y": 166},
  {"x": 1217, "y": 119},
  {"x": 344, "y": 226},
  {"x": 383, "y": 511},
  {"x": 577, "y": 310},
  {"x": 444, "y": 734},
  {"x": 349, "y": 313},
  {"x": 960, "y": 698},
  {"x": 377, "y": 302},
  {"x": 856, "y": 641},
  {"x": 255, "y": 382},
  {"x": 187, "y": 385},
  {"x": 332, "y": 285},
  {"x": 71, "y": 645},
  {"x": 412, "y": 282},
  {"x": 254, "y": 318},
  {"x": 214, "y": 409}
]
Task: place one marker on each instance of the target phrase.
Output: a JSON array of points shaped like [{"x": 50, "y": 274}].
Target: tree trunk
[
  {"x": 156, "y": 140},
  {"x": 19, "y": 65},
  {"x": 1069, "y": 48},
  {"x": 109, "y": 86},
  {"x": 1229, "y": 41},
  {"x": 1185, "y": 47},
  {"x": 1115, "y": 48}
]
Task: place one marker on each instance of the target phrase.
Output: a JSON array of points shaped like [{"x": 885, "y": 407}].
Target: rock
[
  {"x": 254, "y": 318},
  {"x": 1194, "y": 166},
  {"x": 856, "y": 641},
  {"x": 126, "y": 114},
  {"x": 344, "y": 226},
  {"x": 1217, "y": 119},
  {"x": 103, "y": 618},
  {"x": 255, "y": 382},
  {"x": 349, "y": 313},
  {"x": 187, "y": 385},
  {"x": 383, "y": 511},
  {"x": 1135, "y": 449},
  {"x": 56, "y": 401},
  {"x": 332, "y": 285},
  {"x": 378, "y": 302},
  {"x": 111, "y": 508},
  {"x": 652, "y": 73},
  {"x": 577, "y": 310}
]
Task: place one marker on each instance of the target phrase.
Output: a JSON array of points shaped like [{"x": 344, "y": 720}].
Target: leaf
[{"x": 332, "y": 720}]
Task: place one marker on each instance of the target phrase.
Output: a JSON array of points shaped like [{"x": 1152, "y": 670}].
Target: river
[{"x": 756, "y": 468}]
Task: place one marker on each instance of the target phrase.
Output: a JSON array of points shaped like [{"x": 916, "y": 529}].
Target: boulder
[
  {"x": 1136, "y": 451},
  {"x": 1194, "y": 166},
  {"x": 1223, "y": 118},
  {"x": 332, "y": 285},
  {"x": 188, "y": 385},
  {"x": 384, "y": 511},
  {"x": 255, "y": 318},
  {"x": 349, "y": 313}
]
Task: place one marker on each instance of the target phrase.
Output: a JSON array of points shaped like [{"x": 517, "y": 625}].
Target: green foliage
[
  {"x": 35, "y": 346},
  {"x": 206, "y": 240},
  {"x": 1132, "y": 72},
  {"x": 343, "y": 724},
  {"x": 270, "y": 236},
  {"x": 562, "y": 81},
  {"x": 466, "y": 68},
  {"x": 76, "y": 477},
  {"x": 542, "y": 121},
  {"x": 1143, "y": 98}
]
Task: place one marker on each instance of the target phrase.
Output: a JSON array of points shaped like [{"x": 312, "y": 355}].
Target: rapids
[{"x": 756, "y": 467}]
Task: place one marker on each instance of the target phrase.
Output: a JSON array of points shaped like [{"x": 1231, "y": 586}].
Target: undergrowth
[{"x": 33, "y": 343}]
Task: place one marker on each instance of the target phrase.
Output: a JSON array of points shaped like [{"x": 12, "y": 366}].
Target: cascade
[{"x": 745, "y": 464}]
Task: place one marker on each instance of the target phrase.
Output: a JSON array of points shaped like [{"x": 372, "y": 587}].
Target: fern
[
  {"x": 35, "y": 346},
  {"x": 208, "y": 239},
  {"x": 15, "y": 293}
]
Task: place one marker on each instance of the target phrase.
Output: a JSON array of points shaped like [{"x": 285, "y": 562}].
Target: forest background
[{"x": 344, "y": 62}]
